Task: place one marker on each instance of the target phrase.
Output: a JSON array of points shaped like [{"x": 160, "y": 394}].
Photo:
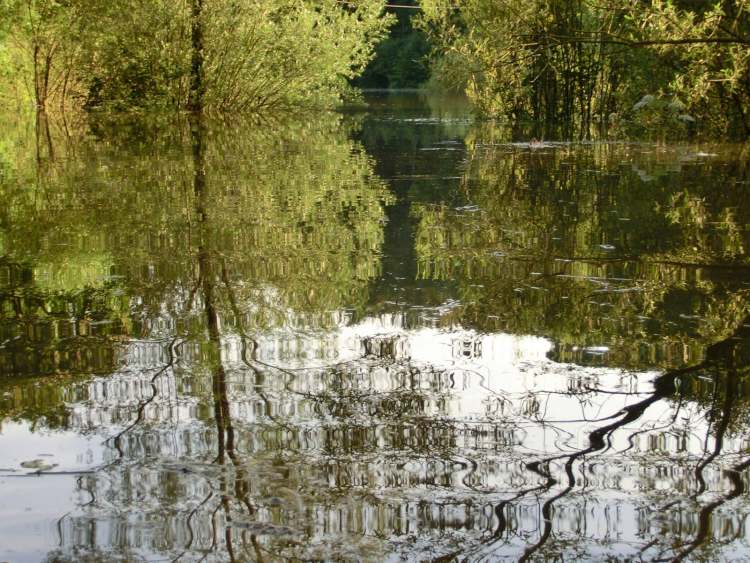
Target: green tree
[
  {"x": 253, "y": 55},
  {"x": 582, "y": 62},
  {"x": 40, "y": 49}
]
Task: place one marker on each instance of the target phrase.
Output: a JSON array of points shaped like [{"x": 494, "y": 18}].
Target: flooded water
[{"x": 382, "y": 335}]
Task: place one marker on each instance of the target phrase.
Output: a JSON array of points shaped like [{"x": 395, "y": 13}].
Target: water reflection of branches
[
  {"x": 720, "y": 359},
  {"x": 116, "y": 440}
]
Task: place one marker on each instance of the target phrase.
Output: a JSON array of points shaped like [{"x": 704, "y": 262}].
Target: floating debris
[
  {"x": 596, "y": 350},
  {"x": 469, "y": 208},
  {"x": 38, "y": 465}
]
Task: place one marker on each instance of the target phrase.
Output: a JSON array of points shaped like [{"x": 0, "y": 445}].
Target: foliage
[
  {"x": 129, "y": 54},
  {"x": 514, "y": 65},
  {"x": 585, "y": 62},
  {"x": 708, "y": 45},
  {"x": 286, "y": 52},
  {"x": 400, "y": 60},
  {"x": 40, "y": 47}
]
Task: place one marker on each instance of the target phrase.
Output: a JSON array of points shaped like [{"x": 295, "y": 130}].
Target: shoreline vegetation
[
  {"x": 577, "y": 69},
  {"x": 672, "y": 67},
  {"x": 223, "y": 56}
]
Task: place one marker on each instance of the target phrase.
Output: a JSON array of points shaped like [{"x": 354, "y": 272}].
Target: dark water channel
[{"x": 379, "y": 335}]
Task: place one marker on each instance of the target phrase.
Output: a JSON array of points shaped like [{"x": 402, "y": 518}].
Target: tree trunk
[
  {"x": 38, "y": 93},
  {"x": 195, "y": 100}
]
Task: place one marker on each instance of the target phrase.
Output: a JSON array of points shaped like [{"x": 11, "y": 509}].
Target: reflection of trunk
[
  {"x": 719, "y": 356},
  {"x": 206, "y": 277},
  {"x": 43, "y": 138},
  {"x": 730, "y": 397},
  {"x": 224, "y": 430},
  {"x": 207, "y": 274},
  {"x": 731, "y": 380},
  {"x": 44, "y": 151}
]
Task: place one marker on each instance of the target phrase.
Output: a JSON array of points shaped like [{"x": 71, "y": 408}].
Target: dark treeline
[{"x": 402, "y": 59}]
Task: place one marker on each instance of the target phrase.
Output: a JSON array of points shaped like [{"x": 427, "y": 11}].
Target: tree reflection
[
  {"x": 226, "y": 263},
  {"x": 573, "y": 243},
  {"x": 575, "y": 246},
  {"x": 253, "y": 409}
]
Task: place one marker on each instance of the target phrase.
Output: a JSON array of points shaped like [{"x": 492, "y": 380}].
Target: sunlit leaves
[
  {"x": 583, "y": 62},
  {"x": 258, "y": 55}
]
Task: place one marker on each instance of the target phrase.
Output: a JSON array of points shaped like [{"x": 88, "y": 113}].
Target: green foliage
[
  {"x": 135, "y": 56},
  {"x": 664, "y": 115},
  {"x": 283, "y": 53},
  {"x": 707, "y": 44},
  {"x": 582, "y": 62},
  {"x": 38, "y": 47},
  {"x": 129, "y": 54},
  {"x": 400, "y": 61},
  {"x": 513, "y": 63}
]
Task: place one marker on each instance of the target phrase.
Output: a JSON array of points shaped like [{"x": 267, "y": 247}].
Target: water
[{"x": 381, "y": 335}]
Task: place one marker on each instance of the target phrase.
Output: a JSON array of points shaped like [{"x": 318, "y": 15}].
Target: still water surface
[{"x": 381, "y": 335}]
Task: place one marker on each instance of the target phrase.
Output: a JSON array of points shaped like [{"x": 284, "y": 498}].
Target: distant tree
[{"x": 401, "y": 60}]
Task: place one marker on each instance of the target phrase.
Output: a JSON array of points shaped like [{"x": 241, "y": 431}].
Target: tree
[
  {"x": 585, "y": 61},
  {"x": 251, "y": 55},
  {"x": 400, "y": 60},
  {"x": 40, "y": 47}
]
